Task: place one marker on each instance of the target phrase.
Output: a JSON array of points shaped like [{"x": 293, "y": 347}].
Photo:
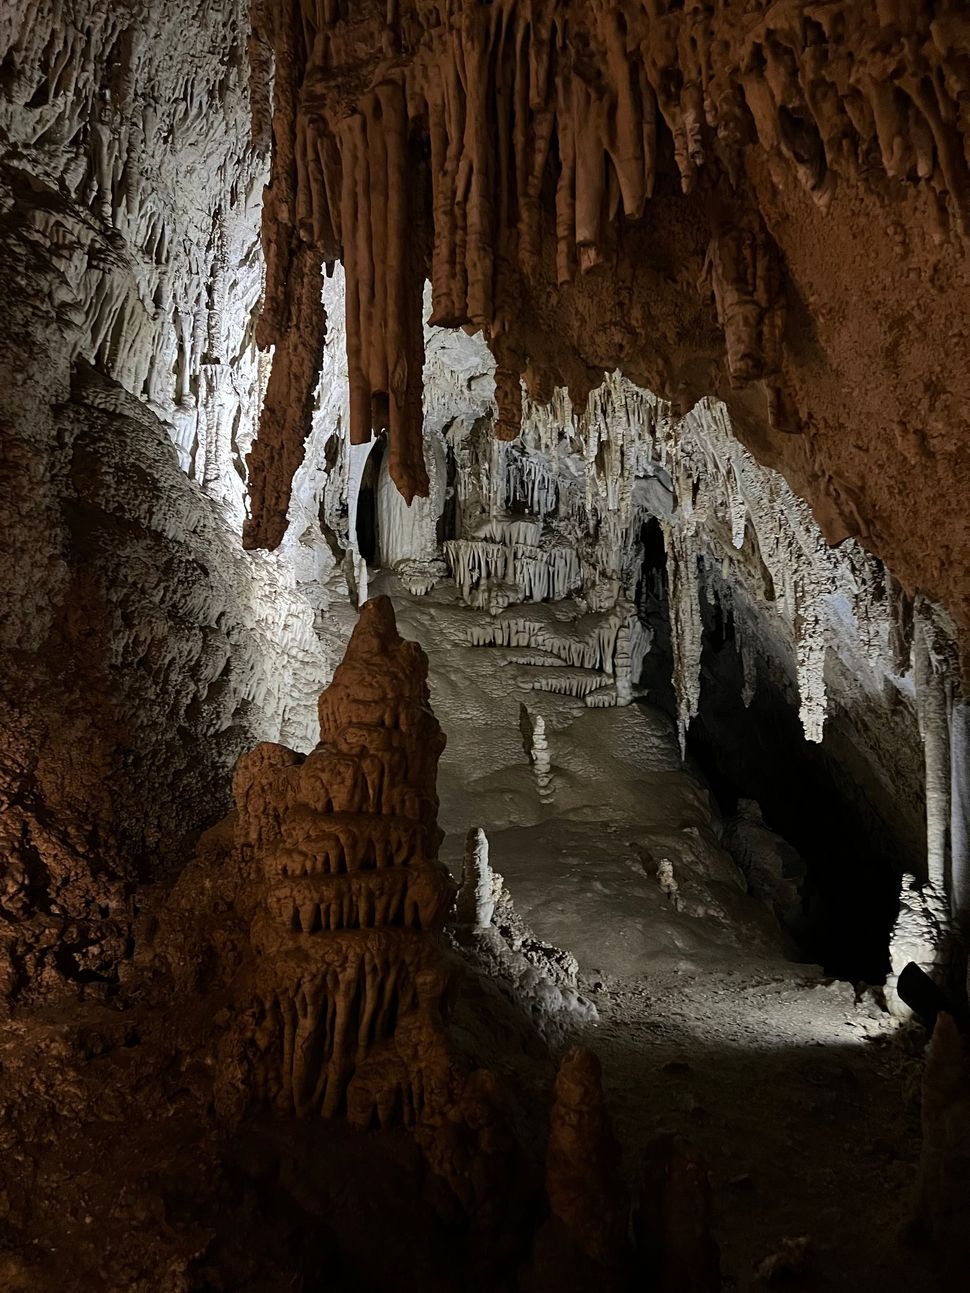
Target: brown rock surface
[
  {"x": 674, "y": 1220},
  {"x": 945, "y": 1153},
  {"x": 339, "y": 1003},
  {"x": 764, "y": 202}
]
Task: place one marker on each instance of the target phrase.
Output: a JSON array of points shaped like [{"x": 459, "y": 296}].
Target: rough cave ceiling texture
[{"x": 764, "y": 202}]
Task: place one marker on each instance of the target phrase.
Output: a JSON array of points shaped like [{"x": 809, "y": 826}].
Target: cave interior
[{"x": 485, "y": 761}]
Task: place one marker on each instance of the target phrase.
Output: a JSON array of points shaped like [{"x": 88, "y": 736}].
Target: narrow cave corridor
[
  {"x": 851, "y": 853},
  {"x": 484, "y": 781}
]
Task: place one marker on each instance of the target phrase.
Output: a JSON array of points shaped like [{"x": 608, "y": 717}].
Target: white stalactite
[
  {"x": 686, "y": 628},
  {"x": 932, "y": 717}
]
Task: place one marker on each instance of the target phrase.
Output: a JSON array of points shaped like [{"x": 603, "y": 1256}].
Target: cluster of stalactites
[{"x": 501, "y": 101}]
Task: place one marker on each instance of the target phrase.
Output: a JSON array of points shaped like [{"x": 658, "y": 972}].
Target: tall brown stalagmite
[
  {"x": 673, "y": 1223},
  {"x": 339, "y": 1004},
  {"x": 585, "y": 1243},
  {"x": 945, "y": 1155},
  {"x": 718, "y": 199}
]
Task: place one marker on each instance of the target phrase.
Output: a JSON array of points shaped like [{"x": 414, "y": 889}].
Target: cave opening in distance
[
  {"x": 366, "y": 526},
  {"x": 853, "y": 861}
]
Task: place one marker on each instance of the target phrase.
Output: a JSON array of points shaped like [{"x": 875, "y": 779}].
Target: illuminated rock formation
[
  {"x": 346, "y": 978},
  {"x": 659, "y": 187}
]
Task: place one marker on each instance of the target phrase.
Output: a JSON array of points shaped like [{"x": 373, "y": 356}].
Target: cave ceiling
[{"x": 763, "y": 202}]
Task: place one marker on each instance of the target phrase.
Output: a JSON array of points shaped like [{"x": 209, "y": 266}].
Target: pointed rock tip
[{"x": 376, "y": 627}]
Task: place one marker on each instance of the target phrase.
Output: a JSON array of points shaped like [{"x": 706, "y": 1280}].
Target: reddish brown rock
[
  {"x": 583, "y": 1170},
  {"x": 339, "y": 1006},
  {"x": 766, "y": 203},
  {"x": 944, "y": 1170}
]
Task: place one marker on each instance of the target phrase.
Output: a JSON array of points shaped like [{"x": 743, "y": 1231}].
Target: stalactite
[
  {"x": 686, "y": 629},
  {"x": 140, "y": 232},
  {"x": 278, "y": 450},
  {"x": 503, "y": 104},
  {"x": 932, "y": 715},
  {"x": 603, "y": 654},
  {"x": 385, "y": 283}
]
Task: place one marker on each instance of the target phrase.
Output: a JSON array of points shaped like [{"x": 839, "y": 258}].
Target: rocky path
[{"x": 806, "y": 1110}]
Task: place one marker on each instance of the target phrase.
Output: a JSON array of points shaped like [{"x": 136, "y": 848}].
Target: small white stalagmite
[
  {"x": 541, "y": 761},
  {"x": 476, "y": 897}
]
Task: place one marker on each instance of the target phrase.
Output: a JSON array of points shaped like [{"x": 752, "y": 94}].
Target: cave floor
[
  {"x": 803, "y": 1099},
  {"x": 805, "y": 1110}
]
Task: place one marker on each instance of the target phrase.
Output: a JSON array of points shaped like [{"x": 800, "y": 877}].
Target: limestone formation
[
  {"x": 476, "y": 897},
  {"x": 600, "y": 666},
  {"x": 546, "y": 164},
  {"x": 945, "y": 1155},
  {"x": 673, "y": 1221},
  {"x": 536, "y": 976},
  {"x": 717, "y": 253},
  {"x": 922, "y": 935},
  {"x": 343, "y": 996},
  {"x": 586, "y": 1240}
]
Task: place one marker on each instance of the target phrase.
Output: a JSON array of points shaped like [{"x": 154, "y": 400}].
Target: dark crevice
[
  {"x": 367, "y": 542},
  {"x": 852, "y": 856}
]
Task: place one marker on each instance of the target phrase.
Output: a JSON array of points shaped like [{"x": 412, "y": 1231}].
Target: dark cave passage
[
  {"x": 367, "y": 537},
  {"x": 853, "y": 857}
]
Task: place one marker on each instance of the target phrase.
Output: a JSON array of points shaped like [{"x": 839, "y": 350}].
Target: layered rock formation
[
  {"x": 143, "y": 656},
  {"x": 142, "y": 650},
  {"x": 346, "y": 979}
]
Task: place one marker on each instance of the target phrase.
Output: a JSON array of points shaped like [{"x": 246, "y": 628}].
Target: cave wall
[{"x": 142, "y": 650}]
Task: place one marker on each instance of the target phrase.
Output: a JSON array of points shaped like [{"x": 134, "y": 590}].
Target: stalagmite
[
  {"x": 345, "y": 976},
  {"x": 476, "y": 897},
  {"x": 541, "y": 761},
  {"x": 959, "y": 732},
  {"x": 583, "y": 1178},
  {"x": 931, "y": 709},
  {"x": 767, "y": 202},
  {"x": 945, "y": 1152},
  {"x": 920, "y": 935},
  {"x": 673, "y": 1220}
]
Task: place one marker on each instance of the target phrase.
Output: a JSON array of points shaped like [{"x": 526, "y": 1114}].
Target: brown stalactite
[
  {"x": 561, "y": 162},
  {"x": 285, "y": 417}
]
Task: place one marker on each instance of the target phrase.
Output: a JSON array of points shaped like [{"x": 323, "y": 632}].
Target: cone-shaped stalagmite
[{"x": 346, "y": 977}]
